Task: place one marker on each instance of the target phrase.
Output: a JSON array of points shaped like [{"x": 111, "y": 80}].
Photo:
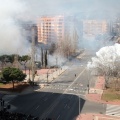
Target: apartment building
[
  {"x": 92, "y": 28},
  {"x": 115, "y": 27},
  {"x": 50, "y": 29}
]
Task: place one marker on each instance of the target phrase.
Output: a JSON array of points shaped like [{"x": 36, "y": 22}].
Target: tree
[
  {"x": 13, "y": 74},
  {"x": 46, "y": 58},
  {"x": 23, "y": 60},
  {"x": 107, "y": 63},
  {"x": 4, "y": 59}
]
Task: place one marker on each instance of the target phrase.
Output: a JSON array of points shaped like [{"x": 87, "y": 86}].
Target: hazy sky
[
  {"x": 76, "y": 7},
  {"x": 10, "y": 10}
]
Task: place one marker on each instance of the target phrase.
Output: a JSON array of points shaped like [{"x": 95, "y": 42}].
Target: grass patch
[{"x": 109, "y": 95}]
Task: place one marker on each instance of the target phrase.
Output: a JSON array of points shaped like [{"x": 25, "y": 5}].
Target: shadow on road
[{"x": 49, "y": 105}]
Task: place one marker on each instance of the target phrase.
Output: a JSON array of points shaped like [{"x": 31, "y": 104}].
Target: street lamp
[
  {"x": 56, "y": 61},
  {"x": 79, "y": 103},
  {"x": 88, "y": 85},
  {"x": 47, "y": 74}
]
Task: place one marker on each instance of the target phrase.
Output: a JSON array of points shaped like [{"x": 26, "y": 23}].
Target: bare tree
[{"x": 106, "y": 63}]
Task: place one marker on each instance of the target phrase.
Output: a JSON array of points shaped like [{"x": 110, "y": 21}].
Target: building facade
[
  {"x": 50, "y": 29},
  {"x": 92, "y": 28},
  {"x": 115, "y": 27}
]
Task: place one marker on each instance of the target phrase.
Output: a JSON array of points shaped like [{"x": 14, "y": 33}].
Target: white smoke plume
[
  {"x": 81, "y": 8},
  {"x": 11, "y": 40},
  {"x": 56, "y": 60},
  {"x": 106, "y": 57}
]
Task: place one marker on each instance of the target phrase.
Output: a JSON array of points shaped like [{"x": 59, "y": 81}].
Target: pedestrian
[{"x": 75, "y": 75}]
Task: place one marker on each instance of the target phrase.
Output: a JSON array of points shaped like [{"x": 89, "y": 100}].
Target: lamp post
[
  {"x": 88, "y": 85},
  {"x": 33, "y": 55},
  {"x": 47, "y": 74},
  {"x": 79, "y": 103}
]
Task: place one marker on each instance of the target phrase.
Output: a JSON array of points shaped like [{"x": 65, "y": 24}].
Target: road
[{"x": 63, "y": 99}]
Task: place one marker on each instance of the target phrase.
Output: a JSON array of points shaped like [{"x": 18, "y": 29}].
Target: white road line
[
  {"x": 37, "y": 107},
  {"x": 74, "y": 80},
  {"x": 75, "y": 94},
  {"x": 113, "y": 110},
  {"x": 58, "y": 117}
]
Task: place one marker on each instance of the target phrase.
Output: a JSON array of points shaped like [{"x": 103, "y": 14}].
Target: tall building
[
  {"x": 115, "y": 27},
  {"x": 50, "y": 29},
  {"x": 92, "y": 28}
]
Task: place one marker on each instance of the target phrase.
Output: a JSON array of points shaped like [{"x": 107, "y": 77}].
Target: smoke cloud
[
  {"x": 11, "y": 40},
  {"x": 80, "y": 8},
  {"x": 10, "y": 10},
  {"x": 107, "y": 56}
]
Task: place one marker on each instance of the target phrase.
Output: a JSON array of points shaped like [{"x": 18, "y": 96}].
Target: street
[{"x": 63, "y": 98}]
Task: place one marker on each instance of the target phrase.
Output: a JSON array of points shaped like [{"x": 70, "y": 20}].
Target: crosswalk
[
  {"x": 64, "y": 87},
  {"x": 113, "y": 110}
]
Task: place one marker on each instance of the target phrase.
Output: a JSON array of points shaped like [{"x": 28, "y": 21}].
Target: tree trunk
[
  {"x": 29, "y": 75},
  {"x": 46, "y": 61},
  {"x": 25, "y": 68},
  {"x": 13, "y": 83},
  {"x": 42, "y": 57}
]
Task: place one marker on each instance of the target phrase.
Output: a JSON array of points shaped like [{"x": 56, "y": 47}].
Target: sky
[
  {"x": 26, "y": 10},
  {"x": 84, "y": 8}
]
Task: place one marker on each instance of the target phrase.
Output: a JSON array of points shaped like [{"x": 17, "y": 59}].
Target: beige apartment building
[
  {"x": 50, "y": 29},
  {"x": 92, "y": 28}
]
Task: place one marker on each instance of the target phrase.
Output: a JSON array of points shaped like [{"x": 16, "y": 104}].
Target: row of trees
[
  {"x": 107, "y": 64},
  {"x": 11, "y": 72},
  {"x": 66, "y": 47},
  {"x": 9, "y": 60}
]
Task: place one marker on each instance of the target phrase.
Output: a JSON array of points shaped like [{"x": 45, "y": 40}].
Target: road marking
[
  {"x": 65, "y": 106},
  {"x": 37, "y": 107},
  {"x": 74, "y": 81},
  {"x": 113, "y": 110},
  {"x": 70, "y": 89},
  {"x": 71, "y": 93},
  {"x": 58, "y": 117},
  {"x": 57, "y": 100}
]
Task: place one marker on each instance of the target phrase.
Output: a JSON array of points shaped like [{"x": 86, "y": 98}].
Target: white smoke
[
  {"x": 56, "y": 59},
  {"x": 11, "y": 40},
  {"x": 82, "y": 8},
  {"x": 108, "y": 57}
]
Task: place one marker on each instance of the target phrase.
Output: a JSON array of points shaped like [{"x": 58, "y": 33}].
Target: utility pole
[
  {"x": 88, "y": 81},
  {"x": 42, "y": 56},
  {"x": 33, "y": 54},
  {"x": 79, "y": 103}
]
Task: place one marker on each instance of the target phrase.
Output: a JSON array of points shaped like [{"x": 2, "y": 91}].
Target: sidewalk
[
  {"x": 41, "y": 78},
  {"x": 96, "y": 117},
  {"x": 46, "y": 74},
  {"x": 95, "y": 93}
]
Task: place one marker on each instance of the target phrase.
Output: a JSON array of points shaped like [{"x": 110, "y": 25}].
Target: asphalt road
[{"x": 63, "y": 99}]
